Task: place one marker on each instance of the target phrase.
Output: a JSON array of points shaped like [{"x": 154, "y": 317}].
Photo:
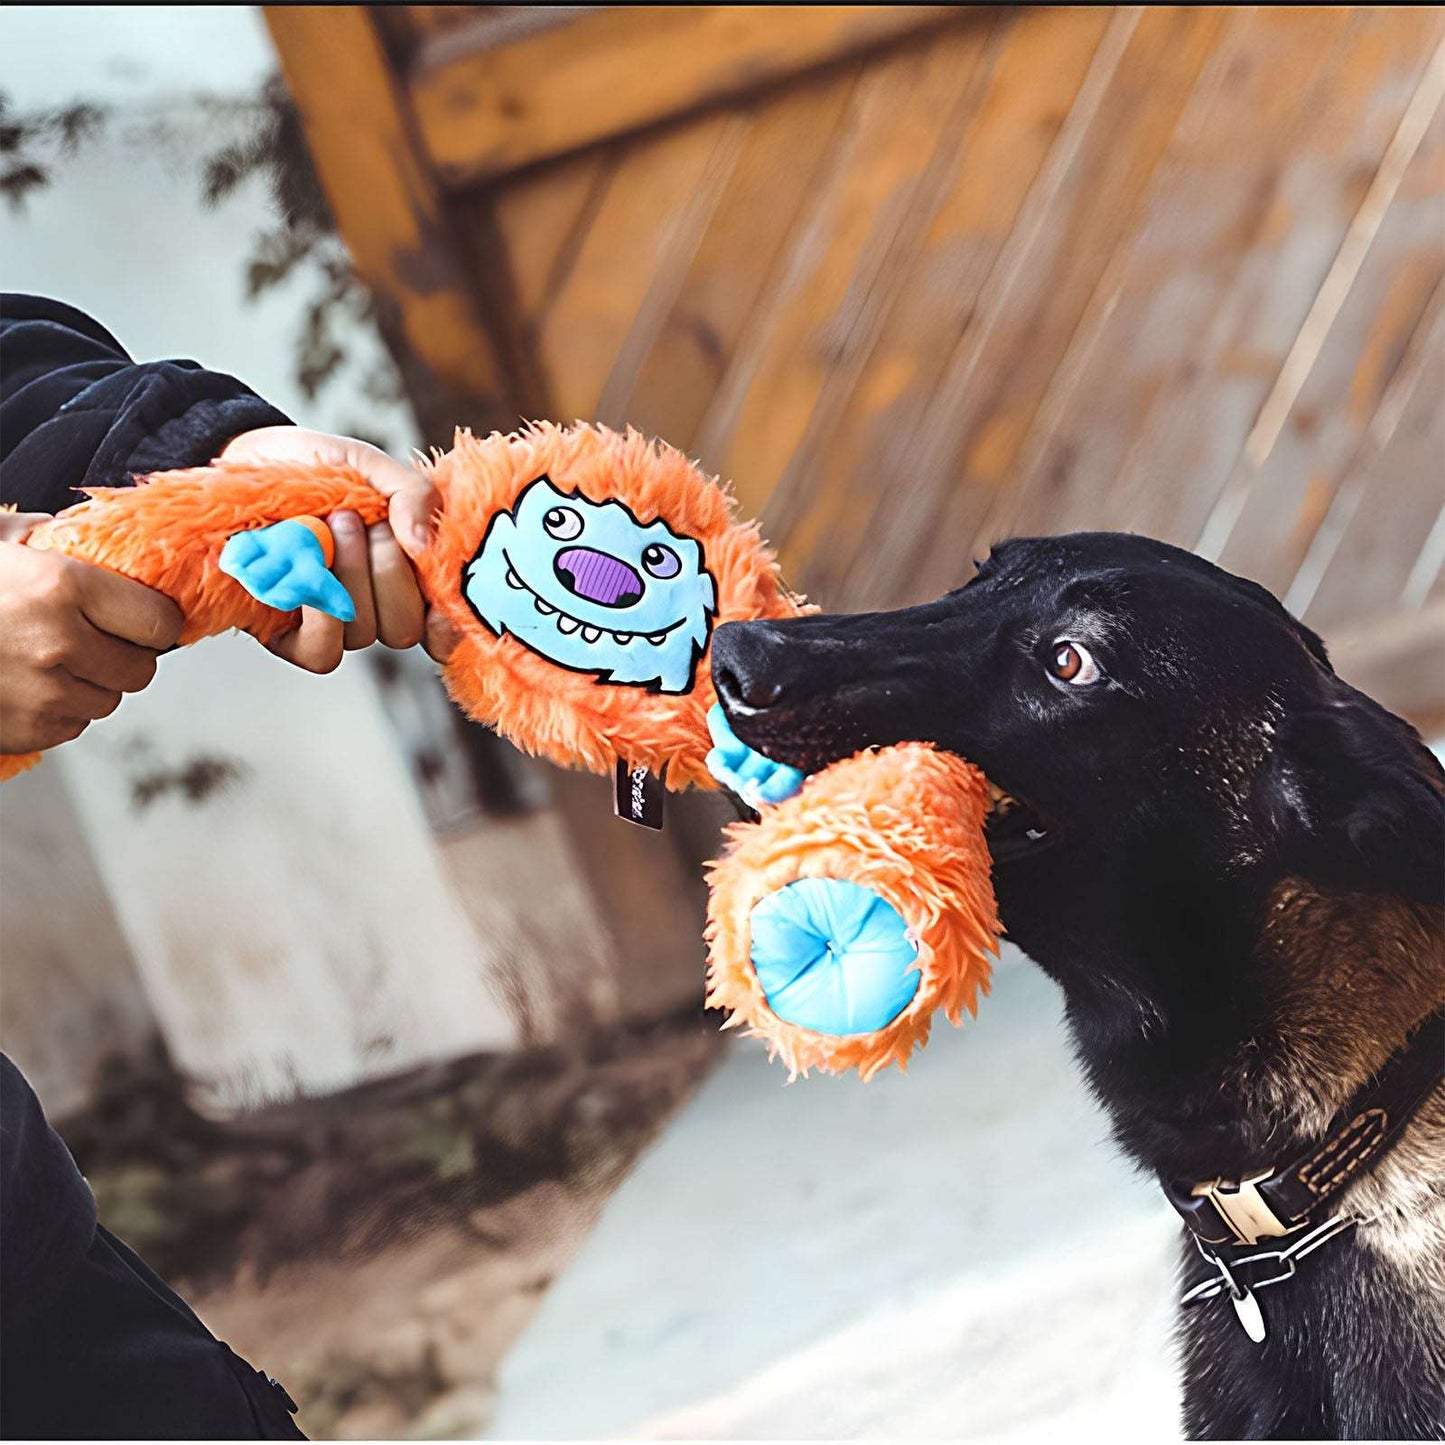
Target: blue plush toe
[
  {"x": 832, "y": 956},
  {"x": 283, "y": 566},
  {"x": 754, "y": 778}
]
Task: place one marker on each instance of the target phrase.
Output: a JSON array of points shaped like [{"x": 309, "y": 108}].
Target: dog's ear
[{"x": 1356, "y": 800}]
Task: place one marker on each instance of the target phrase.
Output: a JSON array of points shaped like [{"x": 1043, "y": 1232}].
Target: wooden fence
[{"x": 917, "y": 277}]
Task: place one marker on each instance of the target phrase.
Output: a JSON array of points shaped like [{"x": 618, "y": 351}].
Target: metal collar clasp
[
  {"x": 1244, "y": 1209},
  {"x": 1241, "y": 1276}
]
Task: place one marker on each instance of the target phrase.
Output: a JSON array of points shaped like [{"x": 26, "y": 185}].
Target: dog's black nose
[{"x": 745, "y": 672}]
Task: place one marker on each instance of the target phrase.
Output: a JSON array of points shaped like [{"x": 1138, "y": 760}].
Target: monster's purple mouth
[
  {"x": 567, "y": 624},
  {"x": 598, "y": 577}
]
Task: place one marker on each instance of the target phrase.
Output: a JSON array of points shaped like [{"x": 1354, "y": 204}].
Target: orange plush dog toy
[{"x": 586, "y": 570}]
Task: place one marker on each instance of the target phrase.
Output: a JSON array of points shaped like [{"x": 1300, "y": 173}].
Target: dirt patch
[{"x": 378, "y": 1250}]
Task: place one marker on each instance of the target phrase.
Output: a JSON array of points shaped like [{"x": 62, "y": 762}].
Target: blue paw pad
[
  {"x": 832, "y": 956},
  {"x": 754, "y": 778},
  {"x": 284, "y": 566}
]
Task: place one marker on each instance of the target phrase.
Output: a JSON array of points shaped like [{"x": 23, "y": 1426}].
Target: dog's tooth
[
  {"x": 658, "y": 638},
  {"x": 591, "y": 634},
  {"x": 567, "y": 624},
  {"x": 513, "y": 580},
  {"x": 622, "y": 638},
  {"x": 545, "y": 608}
]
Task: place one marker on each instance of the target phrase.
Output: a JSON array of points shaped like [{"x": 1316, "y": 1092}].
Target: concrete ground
[{"x": 958, "y": 1253}]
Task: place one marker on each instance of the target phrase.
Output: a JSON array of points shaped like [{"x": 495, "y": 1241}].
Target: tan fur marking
[{"x": 1351, "y": 977}]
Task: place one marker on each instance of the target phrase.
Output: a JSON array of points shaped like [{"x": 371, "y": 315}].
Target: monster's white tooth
[
  {"x": 658, "y": 638},
  {"x": 545, "y": 608},
  {"x": 567, "y": 624},
  {"x": 622, "y": 638},
  {"x": 591, "y": 634},
  {"x": 513, "y": 580}
]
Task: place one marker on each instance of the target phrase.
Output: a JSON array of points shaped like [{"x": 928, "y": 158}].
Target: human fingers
[
  {"x": 315, "y": 645},
  {"x": 127, "y": 609},
  {"x": 400, "y": 608},
  {"x": 352, "y": 566},
  {"x": 442, "y": 635},
  {"x": 16, "y": 526},
  {"x": 106, "y": 661}
]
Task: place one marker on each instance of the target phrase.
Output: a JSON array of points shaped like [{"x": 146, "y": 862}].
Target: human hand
[
  {"x": 73, "y": 638},
  {"x": 372, "y": 563}
]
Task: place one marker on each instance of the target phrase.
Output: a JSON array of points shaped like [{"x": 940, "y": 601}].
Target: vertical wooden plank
[
  {"x": 1003, "y": 364},
  {"x": 1215, "y": 225},
  {"x": 693, "y": 215},
  {"x": 848, "y": 338},
  {"x": 864, "y": 467},
  {"x": 390, "y": 213},
  {"x": 543, "y": 217},
  {"x": 1282, "y": 501},
  {"x": 737, "y": 257},
  {"x": 1331, "y": 199},
  {"x": 631, "y": 236},
  {"x": 1387, "y": 501},
  {"x": 903, "y": 116}
]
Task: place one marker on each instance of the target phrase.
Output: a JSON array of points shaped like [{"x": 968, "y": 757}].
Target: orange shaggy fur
[
  {"x": 906, "y": 822},
  {"x": 168, "y": 531},
  {"x": 567, "y": 716}
]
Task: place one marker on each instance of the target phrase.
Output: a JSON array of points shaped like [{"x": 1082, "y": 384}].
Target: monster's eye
[
  {"x": 563, "y": 524},
  {"x": 1073, "y": 663},
  {"x": 661, "y": 561}
]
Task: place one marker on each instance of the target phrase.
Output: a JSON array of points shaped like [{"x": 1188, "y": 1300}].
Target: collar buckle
[{"x": 1245, "y": 1211}]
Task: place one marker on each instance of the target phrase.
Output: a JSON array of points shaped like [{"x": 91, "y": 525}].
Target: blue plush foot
[
  {"x": 754, "y": 778},
  {"x": 284, "y": 566},
  {"x": 832, "y": 956}
]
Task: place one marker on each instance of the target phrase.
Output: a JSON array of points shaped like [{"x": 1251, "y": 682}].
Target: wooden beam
[
  {"x": 389, "y": 211},
  {"x": 492, "y": 109}
]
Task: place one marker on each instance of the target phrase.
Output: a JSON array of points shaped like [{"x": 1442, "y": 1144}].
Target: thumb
[
  {"x": 413, "y": 500},
  {"x": 16, "y": 526}
]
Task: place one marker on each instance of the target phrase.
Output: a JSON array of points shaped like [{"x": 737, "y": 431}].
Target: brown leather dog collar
[
  {"x": 1289, "y": 1205},
  {"x": 1290, "y": 1196}
]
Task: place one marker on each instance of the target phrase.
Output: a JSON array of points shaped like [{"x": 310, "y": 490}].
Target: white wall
[
  {"x": 294, "y": 930},
  {"x": 69, "y": 992},
  {"x": 122, "y": 233}
]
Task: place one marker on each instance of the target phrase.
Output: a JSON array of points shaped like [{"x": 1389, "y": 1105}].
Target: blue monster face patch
[{"x": 589, "y": 587}]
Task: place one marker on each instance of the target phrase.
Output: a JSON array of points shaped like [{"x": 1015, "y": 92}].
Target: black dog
[{"x": 1234, "y": 865}]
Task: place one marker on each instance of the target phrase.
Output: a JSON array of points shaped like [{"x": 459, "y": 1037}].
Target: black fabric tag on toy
[{"x": 637, "y": 796}]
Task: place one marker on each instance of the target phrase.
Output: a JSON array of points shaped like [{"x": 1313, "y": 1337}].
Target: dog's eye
[
  {"x": 1073, "y": 663},
  {"x": 563, "y": 524}
]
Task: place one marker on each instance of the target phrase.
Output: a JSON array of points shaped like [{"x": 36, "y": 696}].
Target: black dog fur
[{"x": 1235, "y": 869}]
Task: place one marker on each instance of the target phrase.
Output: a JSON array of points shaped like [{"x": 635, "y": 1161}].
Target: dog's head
[{"x": 1119, "y": 691}]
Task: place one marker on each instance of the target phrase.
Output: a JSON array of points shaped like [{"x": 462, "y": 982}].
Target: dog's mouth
[{"x": 1015, "y": 829}]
